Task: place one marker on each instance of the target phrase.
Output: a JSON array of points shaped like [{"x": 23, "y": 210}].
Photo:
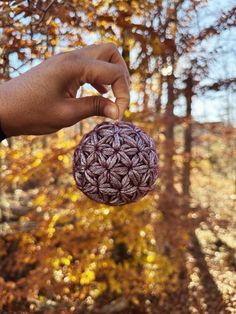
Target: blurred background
[{"x": 173, "y": 251}]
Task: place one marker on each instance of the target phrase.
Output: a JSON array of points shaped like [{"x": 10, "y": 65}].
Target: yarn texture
[{"x": 115, "y": 163}]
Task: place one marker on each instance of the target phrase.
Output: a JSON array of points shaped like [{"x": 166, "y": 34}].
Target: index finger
[
  {"x": 101, "y": 72},
  {"x": 120, "y": 90},
  {"x": 106, "y": 52}
]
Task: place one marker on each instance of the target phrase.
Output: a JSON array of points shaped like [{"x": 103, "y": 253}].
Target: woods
[{"x": 174, "y": 250}]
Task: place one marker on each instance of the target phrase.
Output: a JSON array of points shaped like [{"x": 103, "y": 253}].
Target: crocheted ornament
[{"x": 115, "y": 163}]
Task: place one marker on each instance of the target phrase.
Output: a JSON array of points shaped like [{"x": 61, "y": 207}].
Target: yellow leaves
[
  {"x": 40, "y": 200},
  {"x": 135, "y": 301},
  {"x": 64, "y": 158},
  {"x": 151, "y": 275},
  {"x": 106, "y": 264},
  {"x": 142, "y": 233},
  {"x": 126, "y": 265},
  {"x": 87, "y": 277},
  {"x": 72, "y": 278},
  {"x": 66, "y": 260},
  {"x": 162, "y": 137},
  {"x": 151, "y": 258},
  {"x": 106, "y": 211},
  {"x": 74, "y": 197},
  {"x": 27, "y": 238},
  {"x": 51, "y": 228},
  {"x": 136, "y": 5},
  {"x": 62, "y": 215},
  {"x": 56, "y": 262},
  {"x": 36, "y": 163},
  {"x": 158, "y": 270},
  {"x": 124, "y": 6},
  {"x": 54, "y": 24},
  {"x": 47, "y": 54},
  {"x": 114, "y": 285},
  {"x": 51, "y": 231},
  {"x": 100, "y": 288},
  {"x": 42, "y": 298},
  {"x": 16, "y": 154},
  {"x": 66, "y": 290},
  {"x": 60, "y": 157},
  {"x": 53, "y": 27},
  {"x": 127, "y": 113},
  {"x": 54, "y": 41},
  {"x": 59, "y": 261},
  {"x": 39, "y": 154}
]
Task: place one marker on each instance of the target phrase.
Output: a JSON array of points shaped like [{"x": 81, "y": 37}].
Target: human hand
[{"x": 43, "y": 100}]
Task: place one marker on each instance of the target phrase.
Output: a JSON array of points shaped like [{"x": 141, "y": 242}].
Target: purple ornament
[{"x": 115, "y": 163}]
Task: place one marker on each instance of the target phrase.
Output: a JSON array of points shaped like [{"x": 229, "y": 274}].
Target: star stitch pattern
[{"x": 115, "y": 163}]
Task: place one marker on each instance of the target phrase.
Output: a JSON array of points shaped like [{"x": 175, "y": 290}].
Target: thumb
[{"x": 88, "y": 106}]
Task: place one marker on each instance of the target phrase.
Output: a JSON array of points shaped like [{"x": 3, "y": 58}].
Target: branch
[
  {"x": 227, "y": 20},
  {"x": 45, "y": 12},
  {"x": 220, "y": 85}
]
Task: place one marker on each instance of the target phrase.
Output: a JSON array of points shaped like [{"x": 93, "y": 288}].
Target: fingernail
[{"x": 111, "y": 111}]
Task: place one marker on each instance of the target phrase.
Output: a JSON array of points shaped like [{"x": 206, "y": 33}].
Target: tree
[{"x": 60, "y": 251}]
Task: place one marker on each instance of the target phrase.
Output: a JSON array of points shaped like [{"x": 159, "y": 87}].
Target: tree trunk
[
  {"x": 125, "y": 47},
  {"x": 169, "y": 141},
  {"x": 159, "y": 92},
  {"x": 187, "y": 140}
]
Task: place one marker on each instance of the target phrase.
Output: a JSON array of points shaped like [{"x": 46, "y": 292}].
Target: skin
[{"x": 43, "y": 100}]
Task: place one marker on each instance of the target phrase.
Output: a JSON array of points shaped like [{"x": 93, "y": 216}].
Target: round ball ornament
[{"x": 116, "y": 163}]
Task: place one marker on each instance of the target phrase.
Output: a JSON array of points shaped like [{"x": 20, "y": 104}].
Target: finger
[
  {"x": 106, "y": 52},
  {"x": 120, "y": 90},
  {"x": 77, "y": 109},
  {"x": 116, "y": 58},
  {"x": 100, "y": 88},
  {"x": 100, "y": 72}
]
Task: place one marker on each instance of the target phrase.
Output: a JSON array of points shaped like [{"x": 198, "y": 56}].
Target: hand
[{"x": 43, "y": 100}]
